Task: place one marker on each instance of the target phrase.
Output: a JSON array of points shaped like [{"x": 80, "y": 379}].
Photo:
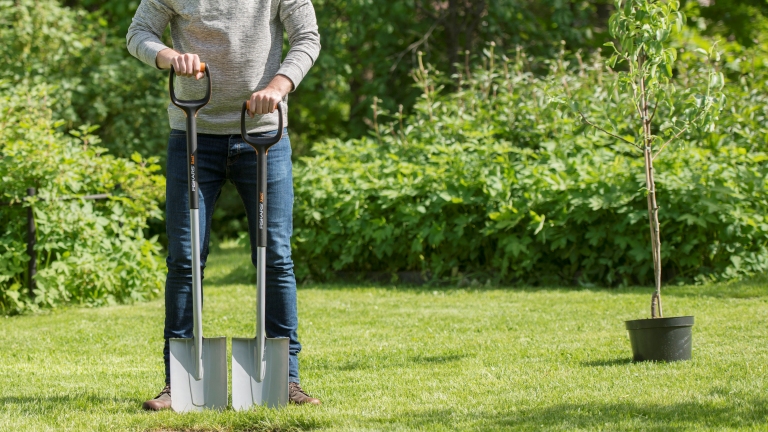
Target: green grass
[{"x": 386, "y": 358}]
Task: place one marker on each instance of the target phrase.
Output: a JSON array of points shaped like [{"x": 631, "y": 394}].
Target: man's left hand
[{"x": 265, "y": 101}]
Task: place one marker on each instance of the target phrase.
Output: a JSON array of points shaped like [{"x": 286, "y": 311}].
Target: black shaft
[
  {"x": 261, "y": 187},
  {"x": 191, "y": 158},
  {"x": 31, "y": 240},
  {"x": 261, "y": 145}
]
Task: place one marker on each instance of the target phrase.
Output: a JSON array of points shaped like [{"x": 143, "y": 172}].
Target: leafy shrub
[
  {"x": 97, "y": 81},
  {"x": 494, "y": 180},
  {"x": 370, "y": 47},
  {"x": 89, "y": 252}
]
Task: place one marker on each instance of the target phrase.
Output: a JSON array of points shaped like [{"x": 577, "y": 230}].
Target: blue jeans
[{"x": 221, "y": 158}]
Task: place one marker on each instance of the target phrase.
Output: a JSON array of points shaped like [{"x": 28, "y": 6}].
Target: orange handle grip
[{"x": 202, "y": 67}]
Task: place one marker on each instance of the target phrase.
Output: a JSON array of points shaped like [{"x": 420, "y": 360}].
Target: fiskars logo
[
  {"x": 193, "y": 159},
  {"x": 261, "y": 197}
]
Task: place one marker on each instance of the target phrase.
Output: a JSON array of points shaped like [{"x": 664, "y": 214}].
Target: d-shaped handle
[
  {"x": 262, "y": 141},
  {"x": 190, "y": 107}
]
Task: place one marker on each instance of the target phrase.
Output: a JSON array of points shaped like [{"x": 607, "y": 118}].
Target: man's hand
[
  {"x": 184, "y": 64},
  {"x": 265, "y": 101}
]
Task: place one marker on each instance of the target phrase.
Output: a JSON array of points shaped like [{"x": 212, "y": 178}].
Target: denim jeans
[{"x": 221, "y": 158}]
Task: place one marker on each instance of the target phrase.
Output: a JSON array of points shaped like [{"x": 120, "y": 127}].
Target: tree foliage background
[
  {"x": 404, "y": 67},
  {"x": 369, "y": 47}
]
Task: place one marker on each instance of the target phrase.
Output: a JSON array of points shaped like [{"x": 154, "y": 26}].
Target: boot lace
[
  {"x": 166, "y": 390},
  {"x": 295, "y": 388}
]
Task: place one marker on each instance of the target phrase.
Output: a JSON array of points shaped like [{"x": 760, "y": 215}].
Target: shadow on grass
[
  {"x": 440, "y": 358},
  {"x": 607, "y": 362},
  {"x": 753, "y": 288},
  {"x": 261, "y": 419},
  {"x": 421, "y": 289},
  {"x": 33, "y": 405},
  {"x": 244, "y": 424},
  {"x": 239, "y": 269},
  {"x": 742, "y": 413},
  {"x": 388, "y": 361},
  {"x": 243, "y": 272}
]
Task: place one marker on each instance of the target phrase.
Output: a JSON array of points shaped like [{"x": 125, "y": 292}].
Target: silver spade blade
[
  {"x": 248, "y": 389},
  {"x": 209, "y": 392}
]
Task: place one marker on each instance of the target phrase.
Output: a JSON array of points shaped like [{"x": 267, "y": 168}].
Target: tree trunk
[
  {"x": 475, "y": 11},
  {"x": 653, "y": 219},
  {"x": 452, "y": 28},
  {"x": 653, "y": 208}
]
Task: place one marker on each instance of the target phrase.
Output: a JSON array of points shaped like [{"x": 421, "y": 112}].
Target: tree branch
[
  {"x": 584, "y": 119},
  {"x": 416, "y": 44},
  {"x": 637, "y": 107},
  {"x": 653, "y": 114}
]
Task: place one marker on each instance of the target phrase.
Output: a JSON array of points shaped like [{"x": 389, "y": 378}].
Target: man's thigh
[
  {"x": 279, "y": 199},
  {"x": 211, "y": 175}
]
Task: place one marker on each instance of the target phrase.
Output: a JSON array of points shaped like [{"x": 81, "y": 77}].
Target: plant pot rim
[{"x": 681, "y": 321}]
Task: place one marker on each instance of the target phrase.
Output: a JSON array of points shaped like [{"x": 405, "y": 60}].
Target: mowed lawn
[{"x": 409, "y": 358}]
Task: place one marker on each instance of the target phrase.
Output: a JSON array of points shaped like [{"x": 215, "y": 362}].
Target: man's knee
[{"x": 179, "y": 264}]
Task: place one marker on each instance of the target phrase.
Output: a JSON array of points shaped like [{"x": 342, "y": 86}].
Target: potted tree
[{"x": 646, "y": 80}]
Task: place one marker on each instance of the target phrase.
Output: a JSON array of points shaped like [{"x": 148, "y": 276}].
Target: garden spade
[
  {"x": 260, "y": 364},
  {"x": 198, "y": 365}
]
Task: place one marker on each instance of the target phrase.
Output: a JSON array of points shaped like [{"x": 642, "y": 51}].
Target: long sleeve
[
  {"x": 242, "y": 43},
  {"x": 298, "y": 18},
  {"x": 146, "y": 29}
]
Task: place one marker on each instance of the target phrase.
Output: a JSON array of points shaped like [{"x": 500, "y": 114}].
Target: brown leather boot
[
  {"x": 160, "y": 402},
  {"x": 300, "y": 397}
]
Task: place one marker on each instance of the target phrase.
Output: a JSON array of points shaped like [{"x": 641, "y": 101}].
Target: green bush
[
  {"x": 97, "y": 81},
  {"x": 89, "y": 252},
  {"x": 370, "y": 47},
  {"x": 493, "y": 180}
]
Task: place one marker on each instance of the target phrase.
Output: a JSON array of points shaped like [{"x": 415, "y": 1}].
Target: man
[{"x": 241, "y": 42}]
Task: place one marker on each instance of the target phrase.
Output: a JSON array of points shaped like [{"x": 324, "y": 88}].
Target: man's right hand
[{"x": 184, "y": 64}]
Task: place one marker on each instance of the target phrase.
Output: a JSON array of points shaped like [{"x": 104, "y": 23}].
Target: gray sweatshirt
[{"x": 242, "y": 44}]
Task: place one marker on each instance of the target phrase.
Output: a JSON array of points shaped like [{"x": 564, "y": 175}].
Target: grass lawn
[{"x": 387, "y": 358}]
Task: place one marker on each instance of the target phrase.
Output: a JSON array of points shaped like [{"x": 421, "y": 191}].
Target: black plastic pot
[{"x": 661, "y": 339}]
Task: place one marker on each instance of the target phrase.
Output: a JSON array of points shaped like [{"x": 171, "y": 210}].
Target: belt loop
[{"x": 231, "y": 148}]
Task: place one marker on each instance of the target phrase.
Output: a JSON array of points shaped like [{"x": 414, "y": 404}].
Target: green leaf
[
  {"x": 613, "y": 25},
  {"x": 541, "y": 225},
  {"x": 680, "y": 21},
  {"x": 667, "y": 68}
]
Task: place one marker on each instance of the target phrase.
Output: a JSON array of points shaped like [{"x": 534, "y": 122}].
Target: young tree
[{"x": 642, "y": 29}]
